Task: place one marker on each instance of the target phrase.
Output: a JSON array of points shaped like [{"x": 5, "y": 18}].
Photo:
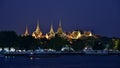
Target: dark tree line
[
  {"x": 8, "y": 39},
  {"x": 11, "y": 39},
  {"x": 56, "y": 42}
]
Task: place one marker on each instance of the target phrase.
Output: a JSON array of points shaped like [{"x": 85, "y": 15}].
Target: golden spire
[
  {"x": 37, "y": 28},
  {"x": 59, "y": 28},
  {"x": 26, "y": 31},
  {"x": 37, "y": 33},
  {"x": 51, "y": 34},
  {"x": 51, "y": 29}
]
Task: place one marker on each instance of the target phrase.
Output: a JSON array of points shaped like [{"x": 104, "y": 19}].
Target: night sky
[{"x": 99, "y": 16}]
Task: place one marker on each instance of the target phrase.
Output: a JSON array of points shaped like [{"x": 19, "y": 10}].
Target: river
[{"x": 82, "y": 61}]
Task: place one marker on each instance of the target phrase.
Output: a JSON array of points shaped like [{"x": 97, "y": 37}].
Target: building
[
  {"x": 37, "y": 33},
  {"x": 87, "y": 33},
  {"x": 26, "y": 32},
  {"x": 59, "y": 30},
  {"x": 51, "y": 34},
  {"x": 77, "y": 34}
]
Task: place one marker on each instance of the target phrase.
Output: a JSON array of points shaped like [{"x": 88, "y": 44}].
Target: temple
[
  {"x": 26, "y": 32},
  {"x": 60, "y": 31},
  {"x": 37, "y": 34},
  {"x": 51, "y": 34}
]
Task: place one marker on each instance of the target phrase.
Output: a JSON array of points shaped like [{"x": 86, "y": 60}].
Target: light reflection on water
[{"x": 61, "y": 62}]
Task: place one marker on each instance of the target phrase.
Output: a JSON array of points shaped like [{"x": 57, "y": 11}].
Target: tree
[
  {"x": 116, "y": 44},
  {"x": 119, "y": 45},
  {"x": 57, "y": 42},
  {"x": 78, "y": 44},
  {"x": 8, "y": 39},
  {"x": 27, "y": 42}
]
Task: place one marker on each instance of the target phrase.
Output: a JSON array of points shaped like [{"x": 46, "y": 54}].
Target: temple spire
[
  {"x": 59, "y": 23},
  {"x": 37, "y": 28},
  {"x": 51, "y": 29},
  {"x": 37, "y": 33},
  {"x": 59, "y": 28},
  {"x": 26, "y": 31},
  {"x": 51, "y": 34}
]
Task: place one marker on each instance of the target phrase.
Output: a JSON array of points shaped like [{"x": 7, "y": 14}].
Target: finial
[{"x": 60, "y": 22}]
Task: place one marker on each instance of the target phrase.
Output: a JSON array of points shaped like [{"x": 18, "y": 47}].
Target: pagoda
[
  {"x": 51, "y": 34},
  {"x": 37, "y": 33},
  {"x": 26, "y": 32}
]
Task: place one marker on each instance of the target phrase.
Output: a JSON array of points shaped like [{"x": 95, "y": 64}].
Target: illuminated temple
[{"x": 37, "y": 34}]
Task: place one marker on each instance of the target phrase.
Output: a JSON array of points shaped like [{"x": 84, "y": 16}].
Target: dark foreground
[{"x": 83, "y": 61}]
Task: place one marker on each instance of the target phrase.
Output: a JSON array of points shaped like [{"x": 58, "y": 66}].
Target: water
[{"x": 61, "y": 62}]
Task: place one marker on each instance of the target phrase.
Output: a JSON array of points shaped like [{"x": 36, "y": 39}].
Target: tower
[
  {"x": 37, "y": 33},
  {"x": 26, "y": 32},
  {"x": 51, "y": 30},
  {"x": 51, "y": 33},
  {"x": 37, "y": 28},
  {"x": 59, "y": 31}
]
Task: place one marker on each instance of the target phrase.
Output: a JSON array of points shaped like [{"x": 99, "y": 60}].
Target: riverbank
[{"x": 57, "y": 54}]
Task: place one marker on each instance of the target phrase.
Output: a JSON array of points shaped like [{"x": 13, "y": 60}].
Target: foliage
[
  {"x": 11, "y": 39},
  {"x": 56, "y": 43},
  {"x": 8, "y": 39}
]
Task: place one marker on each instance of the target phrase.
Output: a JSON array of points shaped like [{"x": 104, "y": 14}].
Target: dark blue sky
[{"x": 100, "y": 16}]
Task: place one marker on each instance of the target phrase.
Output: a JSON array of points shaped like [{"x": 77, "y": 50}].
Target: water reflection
[{"x": 31, "y": 58}]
